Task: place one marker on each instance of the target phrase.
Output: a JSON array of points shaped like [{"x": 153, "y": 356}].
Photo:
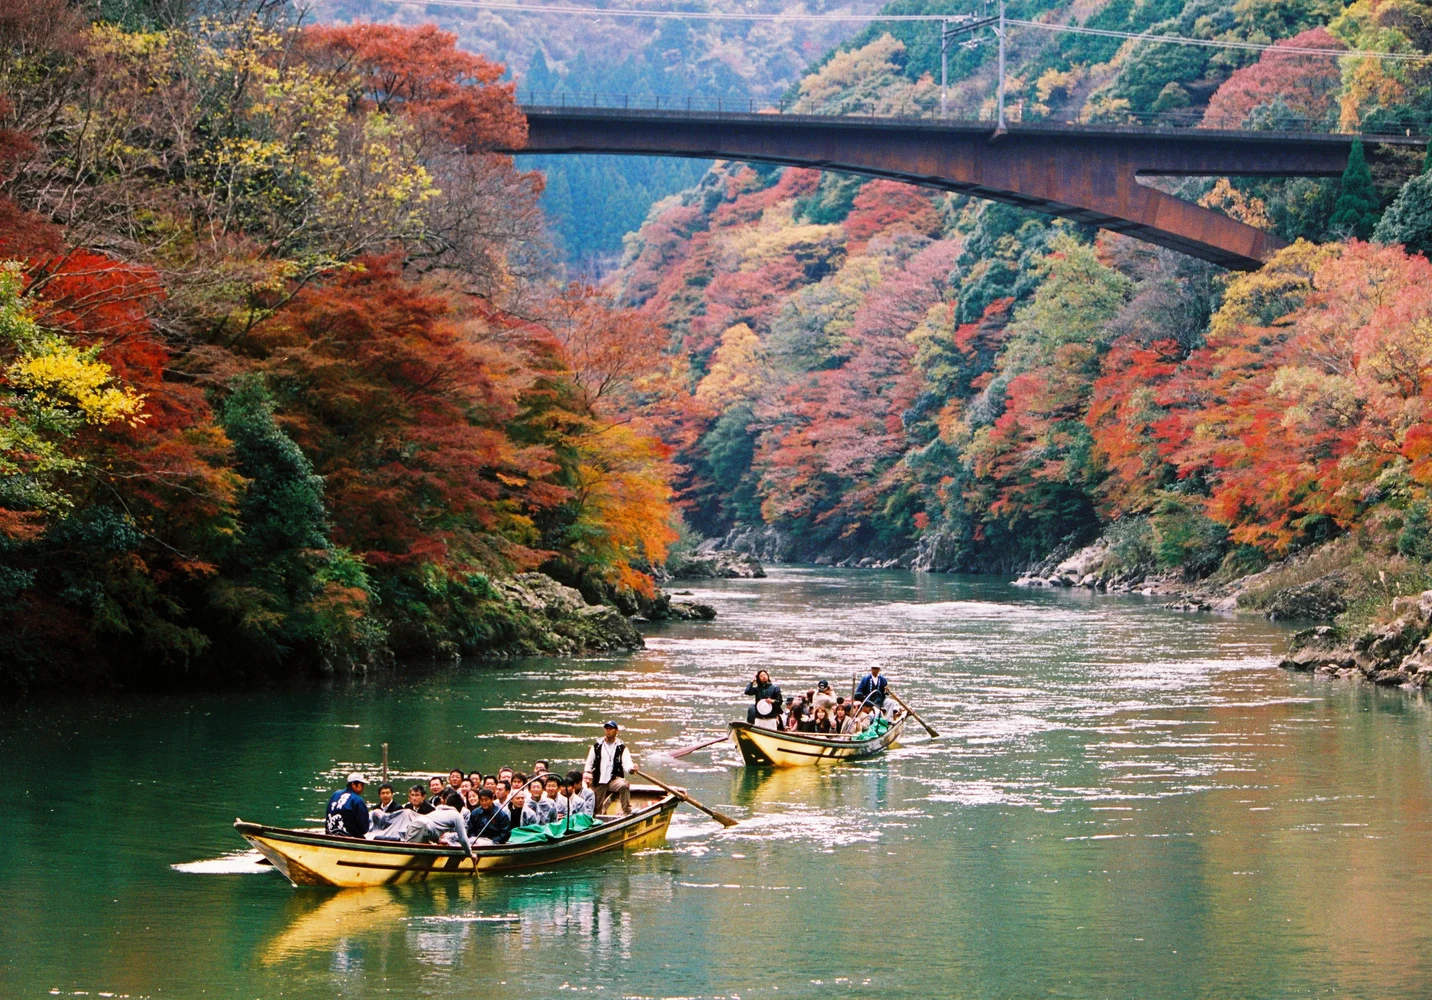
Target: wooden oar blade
[{"x": 715, "y": 814}]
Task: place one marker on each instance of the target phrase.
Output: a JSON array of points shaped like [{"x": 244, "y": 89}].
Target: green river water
[{"x": 1126, "y": 802}]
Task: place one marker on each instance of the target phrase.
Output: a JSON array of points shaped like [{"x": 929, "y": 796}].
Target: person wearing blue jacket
[
  {"x": 872, "y": 688},
  {"x": 347, "y": 812}
]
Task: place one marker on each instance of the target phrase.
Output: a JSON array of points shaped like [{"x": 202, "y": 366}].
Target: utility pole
[
  {"x": 944, "y": 68},
  {"x": 953, "y": 27},
  {"x": 1000, "y": 31}
]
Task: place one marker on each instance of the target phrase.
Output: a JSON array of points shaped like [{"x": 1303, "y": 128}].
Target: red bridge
[{"x": 1088, "y": 173}]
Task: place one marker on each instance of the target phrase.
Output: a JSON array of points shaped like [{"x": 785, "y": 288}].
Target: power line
[
  {"x": 692, "y": 15},
  {"x": 1212, "y": 43},
  {"x": 714, "y": 15}
]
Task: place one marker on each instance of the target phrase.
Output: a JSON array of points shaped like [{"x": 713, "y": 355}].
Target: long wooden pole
[
  {"x": 891, "y": 692},
  {"x": 385, "y": 763},
  {"x": 719, "y": 817},
  {"x": 700, "y": 746}
]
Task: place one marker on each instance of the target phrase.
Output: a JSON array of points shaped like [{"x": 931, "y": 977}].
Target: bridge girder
[{"x": 1086, "y": 173}]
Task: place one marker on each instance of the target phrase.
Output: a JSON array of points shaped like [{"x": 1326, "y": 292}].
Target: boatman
[
  {"x": 610, "y": 762},
  {"x": 872, "y": 689},
  {"x": 347, "y": 812}
]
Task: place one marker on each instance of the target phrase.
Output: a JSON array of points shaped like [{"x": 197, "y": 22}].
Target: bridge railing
[{"x": 928, "y": 110}]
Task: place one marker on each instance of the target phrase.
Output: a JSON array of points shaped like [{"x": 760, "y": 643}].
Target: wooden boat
[
  {"x": 308, "y": 857},
  {"x": 777, "y": 749}
]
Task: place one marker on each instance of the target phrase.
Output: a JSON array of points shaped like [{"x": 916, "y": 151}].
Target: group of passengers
[
  {"x": 818, "y": 710},
  {"x": 471, "y": 810}
]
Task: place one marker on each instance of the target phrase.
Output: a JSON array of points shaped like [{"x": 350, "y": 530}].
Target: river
[{"x": 1126, "y": 802}]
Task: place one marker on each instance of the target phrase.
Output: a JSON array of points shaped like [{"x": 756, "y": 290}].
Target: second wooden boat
[
  {"x": 309, "y": 857},
  {"x": 772, "y": 748}
]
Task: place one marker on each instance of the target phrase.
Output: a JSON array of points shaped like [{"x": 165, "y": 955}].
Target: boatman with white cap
[
  {"x": 347, "y": 812},
  {"x": 609, "y": 762}
]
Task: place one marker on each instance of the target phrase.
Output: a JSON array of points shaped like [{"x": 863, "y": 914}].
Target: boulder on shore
[
  {"x": 1320, "y": 599},
  {"x": 1395, "y": 653},
  {"x": 720, "y": 565},
  {"x": 548, "y": 617}
]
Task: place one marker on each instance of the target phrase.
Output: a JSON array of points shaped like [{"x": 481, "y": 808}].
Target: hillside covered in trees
[
  {"x": 284, "y": 378},
  {"x": 592, "y": 202},
  {"x": 879, "y": 372}
]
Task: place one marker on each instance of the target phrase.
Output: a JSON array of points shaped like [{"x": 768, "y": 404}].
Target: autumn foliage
[{"x": 288, "y": 416}]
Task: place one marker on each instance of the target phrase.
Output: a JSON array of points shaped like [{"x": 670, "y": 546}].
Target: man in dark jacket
[
  {"x": 488, "y": 821},
  {"x": 872, "y": 688},
  {"x": 347, "y": 812},
  {"x": 762, "y": 689},
  {"x": 417, "y": 801}
]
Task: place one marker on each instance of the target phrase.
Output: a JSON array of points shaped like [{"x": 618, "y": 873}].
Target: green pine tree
[
  {"x": 1356, "y": 210},
  {"x": 283, "y": 559}
]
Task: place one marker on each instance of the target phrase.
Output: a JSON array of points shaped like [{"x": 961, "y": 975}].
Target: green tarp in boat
[
  {"x": 545, "y": 833},
  {"x": 877, "y": 729}
]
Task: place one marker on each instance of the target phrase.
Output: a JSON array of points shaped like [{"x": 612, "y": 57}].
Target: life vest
[{"x": 618, "y": 760}]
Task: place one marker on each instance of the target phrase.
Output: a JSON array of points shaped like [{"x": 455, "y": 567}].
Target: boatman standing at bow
[
  {"x": 347, "y": 812},
  {"x": 609, "y": 762},
  {"x": 872, "y": 689}
]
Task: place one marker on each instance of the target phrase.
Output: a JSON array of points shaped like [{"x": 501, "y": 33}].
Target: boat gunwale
[
  {"x": 822, "y": 740},
  {"x": 667, "y": 803}
]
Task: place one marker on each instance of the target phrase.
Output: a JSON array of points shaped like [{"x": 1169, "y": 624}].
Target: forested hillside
[
  {"x": 284, "y": 379},
  {"x": 592, "y": 202},
  {"x": 881, "y": 372}
]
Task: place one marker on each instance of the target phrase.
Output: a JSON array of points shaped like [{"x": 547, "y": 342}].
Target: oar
[
  {"x": 719, "y": 817},
  {"x": 891, "y": 692},
  {"x": 699, "y": 746}
]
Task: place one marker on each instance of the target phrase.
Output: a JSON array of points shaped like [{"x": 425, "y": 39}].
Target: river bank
[{"x": 1375, "y": 601}]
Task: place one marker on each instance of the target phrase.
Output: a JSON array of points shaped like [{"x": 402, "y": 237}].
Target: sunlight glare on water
[{"x": 1124, "y": 802}]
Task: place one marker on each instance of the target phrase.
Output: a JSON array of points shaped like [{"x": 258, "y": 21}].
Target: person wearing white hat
[{"x": 347, "y": 812}]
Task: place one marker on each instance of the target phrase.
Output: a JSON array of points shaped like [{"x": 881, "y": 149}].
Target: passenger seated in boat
[
  {"x": 761, "y": 689},
  {"x": 553, "y": 793},
  {"x": 865, "y": 719},
  {"x": 417, "y": 801},
  {"x": 579, "y": 793},
  {"x": 539, "y": 767},
  {"x": 387, "y": 802},
  {"x": 766, "y": 716},
  {"x": 443, "y": 825},
  {"x": 500, "y": 792},
  {"x": 489, "y": 822},
  {"x": 823, "y": 698},
  {"x": 822, "y": 724},
  {"x": 454, "y": 779},
  {"x": 839, "y": 718},
  {"x": 539, "y": 808},
  {"x": 517, "y": 805},
  {"x": 347, "y": 812},
  {"x": 489, "y": 782},
  {"x": 436, "y": 787}
]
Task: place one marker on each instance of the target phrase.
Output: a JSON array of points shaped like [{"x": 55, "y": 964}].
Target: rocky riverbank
[
  {"x": 535, "y": 615},
  {"x": 1394, "y": 654}
]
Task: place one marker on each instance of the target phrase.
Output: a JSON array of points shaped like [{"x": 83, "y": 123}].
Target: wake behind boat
[{"x": 309, "y": 857}]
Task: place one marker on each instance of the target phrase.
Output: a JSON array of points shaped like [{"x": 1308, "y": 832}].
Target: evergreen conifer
[{"x": 1355, "y": 212}]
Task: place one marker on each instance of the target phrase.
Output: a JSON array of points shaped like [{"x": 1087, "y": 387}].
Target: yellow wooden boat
[
  {"x": 309, "y": 857},
  {"x": 773, "y": 748}
]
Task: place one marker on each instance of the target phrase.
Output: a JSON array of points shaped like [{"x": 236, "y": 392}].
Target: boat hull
[
  {"x": 764, "y": 747},
  {"x": 316, "y": 858}
]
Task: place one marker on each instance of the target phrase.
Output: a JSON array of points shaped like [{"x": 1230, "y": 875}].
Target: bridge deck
[{"x": 1088, "y": 173}]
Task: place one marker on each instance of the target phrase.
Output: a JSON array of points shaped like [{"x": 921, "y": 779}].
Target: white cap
[{"x": 358, "y": 777}]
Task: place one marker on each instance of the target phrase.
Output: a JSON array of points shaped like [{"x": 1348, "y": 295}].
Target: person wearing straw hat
[
  {"x": 610, "y": 762},
  {"x": 347, "y": 814}
]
